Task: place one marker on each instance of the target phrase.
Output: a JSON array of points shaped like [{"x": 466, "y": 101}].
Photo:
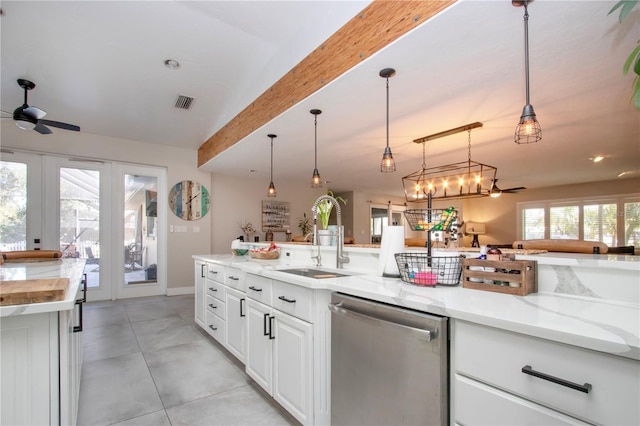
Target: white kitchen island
[
  {"x": 582, "y": 326},
  {"x": 41, "y": 349}
]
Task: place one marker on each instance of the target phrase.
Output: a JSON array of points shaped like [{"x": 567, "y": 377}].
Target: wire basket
[
  {"x": 431, "y": 219},
  {"x": 424, "y": 270}
]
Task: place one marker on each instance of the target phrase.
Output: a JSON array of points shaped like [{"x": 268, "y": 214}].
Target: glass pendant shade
[
  {"x": 387, "y": 165},
  {"x": 316, "y": 180},
  {"x": 271, "y": 192},
  {"x": 528, "y": 129}
]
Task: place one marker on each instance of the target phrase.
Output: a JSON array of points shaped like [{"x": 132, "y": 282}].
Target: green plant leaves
[{"x": 626, "y": 6}]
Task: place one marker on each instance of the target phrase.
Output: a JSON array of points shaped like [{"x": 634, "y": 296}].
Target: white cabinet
[
  {"x": 279, "y": 353},
  {"x": 235, "y": 323},
  {"x": 200, "y": 274},
  {"x": 497, "y": 372},
  {"x": 41, "y": 361}
]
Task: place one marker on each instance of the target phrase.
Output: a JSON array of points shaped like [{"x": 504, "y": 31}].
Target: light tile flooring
[{"x": 146, "y": 362}]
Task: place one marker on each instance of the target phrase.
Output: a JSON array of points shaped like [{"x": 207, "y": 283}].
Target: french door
[{"x": 57, "y": 203}]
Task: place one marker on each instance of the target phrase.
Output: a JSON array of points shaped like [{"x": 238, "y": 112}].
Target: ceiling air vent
[{"x": 183, "y": 102}]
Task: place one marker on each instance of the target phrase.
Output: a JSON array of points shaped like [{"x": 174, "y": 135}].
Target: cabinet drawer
[
  {"x": 234, "y": 278},
  {"x": 215, "y": 327},
  {"x": 258, "y": 288},
  {"x": 497, "y": 357},
  {"x": 216, "y": 290},
  {"x": 479, "y": 404},
  {"x": 216, "y": 306},
  {"x": 293, "y": 300},
  {"x": 215, "y": 272}
]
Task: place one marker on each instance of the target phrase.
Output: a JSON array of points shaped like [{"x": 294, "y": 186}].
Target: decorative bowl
[{"x": 239, "y": 252}]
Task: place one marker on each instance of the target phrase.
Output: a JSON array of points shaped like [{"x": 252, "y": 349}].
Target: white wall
[{"x": 180, "y": 164}]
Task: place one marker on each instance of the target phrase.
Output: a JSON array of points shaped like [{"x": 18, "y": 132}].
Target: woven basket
[{"x": 257, "y": 254}]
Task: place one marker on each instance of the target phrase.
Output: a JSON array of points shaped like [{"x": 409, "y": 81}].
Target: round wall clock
[{"x": 189, "y": 200}]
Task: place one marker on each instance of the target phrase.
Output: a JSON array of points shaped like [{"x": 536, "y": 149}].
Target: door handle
[
  {"x": 78, "y": 328},
  {"x": 287, "y": 300},
  {"x": 202, "y": 270},
  {"x": 254, "y": 288},
  {"x": 213, "y": 289},
  {"x": 264, "y": 324},
  {"x": 586, "y": 388},
  {"x": 242, "y": 310},
  {"x": 271, "y": 336},
  {"x": 212, "y": 306}
]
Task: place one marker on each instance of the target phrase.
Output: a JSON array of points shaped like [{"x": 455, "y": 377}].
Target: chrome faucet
[{"x": 341, "y": 259}]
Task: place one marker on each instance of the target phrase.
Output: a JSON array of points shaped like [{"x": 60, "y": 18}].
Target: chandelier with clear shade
[
  {"x": 466, "y": 179},
  {"x": 271, "y": 192},
  {"x": 387, "y": 165},
  {"x": 316, "y": 180},
  {"x": 528, "y": 129}
]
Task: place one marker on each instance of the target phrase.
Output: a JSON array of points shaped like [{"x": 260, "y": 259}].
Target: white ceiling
[{"x": 100, "y": 65}]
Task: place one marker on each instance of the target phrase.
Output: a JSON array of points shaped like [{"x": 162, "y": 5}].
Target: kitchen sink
[{"x": 313, "y": 273}]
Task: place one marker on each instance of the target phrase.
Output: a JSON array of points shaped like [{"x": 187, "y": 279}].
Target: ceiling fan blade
[
  {"x": 514, "y": 189},
  {"x": 34, "y": 112},
  {"x": 58, "y": 124},
  {"x": 42, "y": 129}
]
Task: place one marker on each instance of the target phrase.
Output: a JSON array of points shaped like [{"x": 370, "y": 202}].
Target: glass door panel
[
  {"x": 80, "y": 219},
  {"x": 140, "y": 232}
]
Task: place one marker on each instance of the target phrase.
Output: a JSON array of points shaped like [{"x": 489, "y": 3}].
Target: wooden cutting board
[{"x": 22, "y": 292}]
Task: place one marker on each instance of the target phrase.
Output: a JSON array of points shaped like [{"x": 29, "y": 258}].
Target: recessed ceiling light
[
  {"x": 172, "y": 64},
  {"x": 597, "y": 158}
]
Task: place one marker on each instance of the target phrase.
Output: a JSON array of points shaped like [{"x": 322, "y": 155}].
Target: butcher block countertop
[{"x": 36, "y": 287}]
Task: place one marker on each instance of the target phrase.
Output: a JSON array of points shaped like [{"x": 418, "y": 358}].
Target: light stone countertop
[
  {"x": 605, "y": 324},
  {"x": 61, "y": 268}
]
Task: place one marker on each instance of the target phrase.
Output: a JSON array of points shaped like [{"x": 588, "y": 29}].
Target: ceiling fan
[
  {"x": 496, "y": 192},
  {"x": 29, "y": 117}
]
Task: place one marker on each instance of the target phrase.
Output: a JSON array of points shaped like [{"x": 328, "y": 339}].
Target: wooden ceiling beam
[{"x": 379, "y": 24}]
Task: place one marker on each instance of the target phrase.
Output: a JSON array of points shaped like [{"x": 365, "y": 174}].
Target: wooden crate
[{"x": 527, "y": 276}]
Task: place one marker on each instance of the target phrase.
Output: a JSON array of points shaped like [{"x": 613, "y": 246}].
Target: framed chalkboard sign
[{"x": 275, "y": 216}]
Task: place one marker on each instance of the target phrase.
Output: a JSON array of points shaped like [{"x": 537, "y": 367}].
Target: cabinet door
[
  {"x": 200, "y": 274},
  {"x": 236, "y": 314},
  {"x": 293, "y": 365},
  {"x": 258, "y": 357}
]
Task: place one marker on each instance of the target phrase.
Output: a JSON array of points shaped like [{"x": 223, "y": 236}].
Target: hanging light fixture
[
  {"x": 528, "y": 129},
  {"x": 271, "y": 192},
  {"x": 387, "y": 165},
  {"x": 466, "y": 179},
  {"x": 316, "y": 180}
]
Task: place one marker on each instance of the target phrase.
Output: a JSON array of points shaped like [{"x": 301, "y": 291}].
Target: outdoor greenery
[{"x": 13, "y": 206}]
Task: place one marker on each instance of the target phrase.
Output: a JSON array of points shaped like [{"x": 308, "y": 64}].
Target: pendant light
[
  {"x": 528, "y": 129},
  {"x": 271, "y": 192},
  {"x": 316, "y": 180},
  {"x": 387, "y": 165}
]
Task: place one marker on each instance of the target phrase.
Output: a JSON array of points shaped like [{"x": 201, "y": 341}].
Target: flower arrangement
[
  {"x": 247, "y": 229},
  {"x": 325, "y": 207}
]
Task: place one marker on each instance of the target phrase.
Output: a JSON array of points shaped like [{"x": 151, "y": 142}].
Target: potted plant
[
  {"x": 325, "y": 236},
  {"x": 304, "y": 225}
]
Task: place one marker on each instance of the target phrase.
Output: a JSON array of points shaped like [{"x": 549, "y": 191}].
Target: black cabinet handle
[
  {"x": 78, "y": 328},
  {"x": 213, "y": 272},
  {"x": 254, "y": 289},
  {"x": 586, "y": 388},
  {"x": 233, "y": 278},
  {"x": 212, "y": 306},
  {"x": 271, "y": 336},
  {"x": 202, "y": 270},
  {"x": 213, "y": 289},
  {"x": 212, "y": 327},
  {"x": 264, "y": 324},
  {"x": 84, "y": 288},
  {"x": 287, "y": 300},
  {"x": 242, "y": 306}
]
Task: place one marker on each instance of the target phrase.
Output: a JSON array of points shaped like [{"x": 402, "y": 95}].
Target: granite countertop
[
  {"x": 60, "y": 268},
  {"x": 602, "y": 325}
]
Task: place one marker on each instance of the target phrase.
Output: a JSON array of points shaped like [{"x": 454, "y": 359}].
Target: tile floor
[{"x": 146, "y": 362}]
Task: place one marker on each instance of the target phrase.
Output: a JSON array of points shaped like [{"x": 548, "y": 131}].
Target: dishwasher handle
[{"x": 337, "y": 309}]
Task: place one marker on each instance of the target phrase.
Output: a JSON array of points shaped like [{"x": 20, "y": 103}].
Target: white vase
[{"x": 324, "y": 237}]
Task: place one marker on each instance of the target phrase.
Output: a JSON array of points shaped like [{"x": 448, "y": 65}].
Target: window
[{"x": 613, "y": 221}]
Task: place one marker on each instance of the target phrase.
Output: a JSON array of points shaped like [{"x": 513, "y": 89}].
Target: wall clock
[{"x": 189, "y": 200}]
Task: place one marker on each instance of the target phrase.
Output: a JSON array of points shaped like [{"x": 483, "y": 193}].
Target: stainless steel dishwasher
[{"x": 389, "y": 365}]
